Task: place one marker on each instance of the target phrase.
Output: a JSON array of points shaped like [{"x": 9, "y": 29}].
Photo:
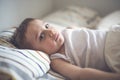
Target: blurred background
[{"x": 12, "y": 12}]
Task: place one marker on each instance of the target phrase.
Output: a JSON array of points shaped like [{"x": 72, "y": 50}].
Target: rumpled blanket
[{"x": 112, "y": 49}]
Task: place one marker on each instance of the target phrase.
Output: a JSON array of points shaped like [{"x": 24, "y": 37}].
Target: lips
[{"x": 56, "y": 36}]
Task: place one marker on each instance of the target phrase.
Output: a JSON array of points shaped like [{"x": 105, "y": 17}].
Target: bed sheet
[{"x": 49, "y": 76}]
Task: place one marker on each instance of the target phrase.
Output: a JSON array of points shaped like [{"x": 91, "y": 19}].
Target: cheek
[{"x": 50, "y": 46}]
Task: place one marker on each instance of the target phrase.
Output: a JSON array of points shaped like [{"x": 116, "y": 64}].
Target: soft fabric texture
[
  {"x": 84, "y": 48},
  {"x": 98, "y": 49},
  {"x": 74, "y": 16},
  {"x": 112, "y": 49},
  {"x": 5, "y": 37},
  {"x": 109, "y": 20},
  {"x": 23, "y": 64}
]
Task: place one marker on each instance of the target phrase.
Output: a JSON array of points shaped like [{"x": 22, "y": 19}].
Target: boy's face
[{"x": 44, "y": 37}]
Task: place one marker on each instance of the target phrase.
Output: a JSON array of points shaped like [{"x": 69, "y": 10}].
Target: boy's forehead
[
  {"x": 31, "y": 32},
  {"x": 35, "y": 26},
  {"x": 36, "y": 22}
]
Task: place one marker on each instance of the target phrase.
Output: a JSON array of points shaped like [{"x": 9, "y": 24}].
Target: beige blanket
[{"x": 112, "y": 49}]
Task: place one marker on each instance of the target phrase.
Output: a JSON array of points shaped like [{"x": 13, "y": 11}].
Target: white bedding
[{"x": 109, "y": 20}]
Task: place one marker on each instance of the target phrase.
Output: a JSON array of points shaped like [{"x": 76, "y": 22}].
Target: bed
[{"x": 24, "y": 64}]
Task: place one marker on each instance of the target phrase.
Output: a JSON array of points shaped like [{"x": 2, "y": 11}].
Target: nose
[{"x": 50, "y": 33}]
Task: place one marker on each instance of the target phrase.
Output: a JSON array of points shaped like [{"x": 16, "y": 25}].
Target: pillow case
[
  {"x": 75, "y": 16},
  {"x": 20, "y": 64},
  {"x": 5, "y": 37},
  {"x": 23, "y": 64},
  {"x": 110, "y": 20}
]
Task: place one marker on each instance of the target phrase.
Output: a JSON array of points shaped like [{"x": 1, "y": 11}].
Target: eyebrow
[
  {"x": 43, "y": 23},
  {"x": 38, "y": 34}
]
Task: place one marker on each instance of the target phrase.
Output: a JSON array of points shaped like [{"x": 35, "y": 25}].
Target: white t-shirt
[{"x": 84, "y": 48}]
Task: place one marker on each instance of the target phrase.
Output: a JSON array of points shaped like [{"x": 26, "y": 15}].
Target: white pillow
[
  {"x": 59, "y": 27},
  {"x": 23, "y": 64},
  {"x": 74, "y": 16},
  {"x": 108, "y": 21}
]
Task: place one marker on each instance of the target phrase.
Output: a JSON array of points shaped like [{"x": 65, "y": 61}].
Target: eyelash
[
  {"x": 42, "y": 36},
  {"x": 46, "y": 26}
]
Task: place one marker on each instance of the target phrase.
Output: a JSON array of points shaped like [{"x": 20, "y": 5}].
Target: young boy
[{"x": 77, "y": 54}]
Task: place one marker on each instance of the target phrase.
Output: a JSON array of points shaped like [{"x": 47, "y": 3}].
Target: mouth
[{"x": 56, "y": 36}]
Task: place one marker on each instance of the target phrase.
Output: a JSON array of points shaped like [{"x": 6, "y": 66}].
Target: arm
[{"x": 76, "y": 73}]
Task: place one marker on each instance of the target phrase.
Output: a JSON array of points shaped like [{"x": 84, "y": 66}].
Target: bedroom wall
[
  {"x": 102, "y": 6},
  {"x": 12, "y": 12}
]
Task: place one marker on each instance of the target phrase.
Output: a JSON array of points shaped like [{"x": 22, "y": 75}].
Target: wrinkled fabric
[
  {"x": 85, "y": 48},
  {"x": 112, "y": 49}
]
